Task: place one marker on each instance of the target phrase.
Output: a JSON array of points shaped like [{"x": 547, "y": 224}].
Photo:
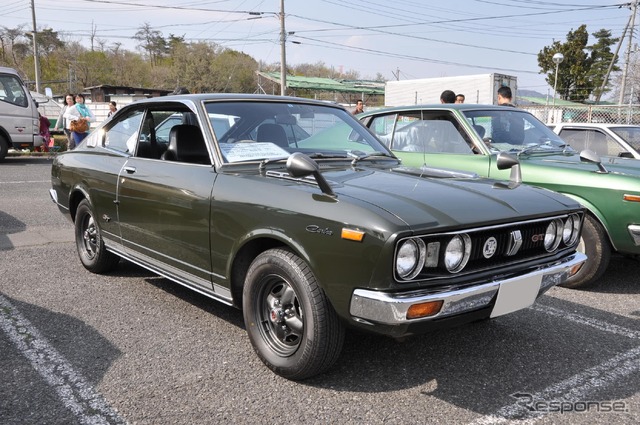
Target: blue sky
[{"x": 420, "y": 39}]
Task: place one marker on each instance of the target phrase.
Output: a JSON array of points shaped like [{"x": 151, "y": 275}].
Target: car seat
[
  {"x": 186, "y": 144},
  {"x": 273, "y": 133}
]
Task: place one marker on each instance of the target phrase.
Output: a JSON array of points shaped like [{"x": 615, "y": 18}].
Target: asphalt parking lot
[{"x": 131, "y": 347}]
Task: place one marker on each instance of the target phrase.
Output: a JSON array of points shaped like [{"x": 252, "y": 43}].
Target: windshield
[
  {"x": 513, "y": 130},
  {"x": 631, "y": 135},
  {"x": 266, "y": 130}
]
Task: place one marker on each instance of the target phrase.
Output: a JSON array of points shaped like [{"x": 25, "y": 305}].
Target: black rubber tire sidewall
[
  {"x": 103, "y": 260},
  {"x": 4, "y": 148},
  {"x": 323, "y": 334},
  {"x": 598, "y": 251}
]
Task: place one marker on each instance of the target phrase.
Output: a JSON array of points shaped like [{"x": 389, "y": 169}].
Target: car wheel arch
[
  {"x": 248, "y": 249},
  {"x": 75, "y": 197},
  {"x": 595, "y": 214}
]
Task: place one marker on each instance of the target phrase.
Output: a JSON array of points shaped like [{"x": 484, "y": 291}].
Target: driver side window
[{"x": 123, "y": 135}]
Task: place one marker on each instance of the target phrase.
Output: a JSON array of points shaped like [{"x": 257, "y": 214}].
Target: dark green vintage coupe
[
  {"x": 470, "y": 137},
  {"x": 293, "y": 211}
]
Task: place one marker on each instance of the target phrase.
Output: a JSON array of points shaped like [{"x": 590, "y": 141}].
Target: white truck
[
  {"x": 19, "y": 120},
  {"x": 481, "y": 88}
]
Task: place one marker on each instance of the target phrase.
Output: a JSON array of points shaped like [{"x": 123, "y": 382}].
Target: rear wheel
[
  {"x": 89, "y": 243},
  {"x": 4, "y": 148},
  {"x": 291, "y": 324},
  {"x": 595, "y": 244}
]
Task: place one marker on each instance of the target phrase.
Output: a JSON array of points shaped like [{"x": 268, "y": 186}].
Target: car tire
[
  {"x": 291, "y": 324},
  {"x": 4, "y": 148},
  {"x": 595, "y": 244},
  {"x": 91, "y": 250}
]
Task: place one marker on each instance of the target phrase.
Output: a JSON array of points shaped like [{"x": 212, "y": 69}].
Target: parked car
[
  {"x": 604, "y": 139},
  {"x": 470, "y": 137},
  {"x": 19, "y": 120},
  {"x": 307, "y": 236}
]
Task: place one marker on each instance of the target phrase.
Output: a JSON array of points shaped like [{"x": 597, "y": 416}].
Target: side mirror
[
  {"x": 301, "y": 165},
  {"x": 592, "y": 157},
  {"x": 506, "y": 161}
]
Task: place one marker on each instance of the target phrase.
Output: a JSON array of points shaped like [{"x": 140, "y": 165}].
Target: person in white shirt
[
  {"x": 79, "y": 112},
  {"x": 61, "y": 122}
]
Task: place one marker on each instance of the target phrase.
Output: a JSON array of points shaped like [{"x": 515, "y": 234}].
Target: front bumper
[
  {"x": 502, "y": 296},
  {"x": 634, "y": 231}
]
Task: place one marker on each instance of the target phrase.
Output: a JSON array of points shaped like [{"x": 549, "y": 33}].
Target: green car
[
  {"x": 470, "y": 137},
  {"x": 291, "y": 210}
]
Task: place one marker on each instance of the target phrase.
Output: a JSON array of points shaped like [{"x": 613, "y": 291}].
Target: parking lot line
[
  {"x": 72, "y": 389},
  {"x": 588, "y": 321},
  {"x": 576, "y": 389}
]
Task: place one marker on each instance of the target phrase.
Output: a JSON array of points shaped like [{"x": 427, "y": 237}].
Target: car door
[
  {"x": 164, "y": 205},
  {"x": 430, "y": 138},
  {"x": 593, "y": 139},
  {"x": 102, "y": 174}
]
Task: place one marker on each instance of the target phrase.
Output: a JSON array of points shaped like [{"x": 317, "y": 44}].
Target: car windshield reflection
[
  {"x": 514, "y": 131},
  {"x": 263, "y": 131}
]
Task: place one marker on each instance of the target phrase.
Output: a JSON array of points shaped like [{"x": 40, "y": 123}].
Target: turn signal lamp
[
  {"x": 352, "y": 235},
  {"x": 427, "y": 309},
  {"x": 631, "y": 198},
  {"x": 575, "y": 269}
]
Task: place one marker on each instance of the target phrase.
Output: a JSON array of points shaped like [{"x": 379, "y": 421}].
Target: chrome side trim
[
  {"x": 634, "y": 231},
  {"x": 218, "y": 293},
  {"x": 391, "y": 308}
]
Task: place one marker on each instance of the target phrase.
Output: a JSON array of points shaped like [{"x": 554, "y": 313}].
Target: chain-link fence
[{"x": 610, "y": 114}]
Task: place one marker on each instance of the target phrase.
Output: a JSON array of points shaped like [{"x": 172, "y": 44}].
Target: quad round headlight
[
  {"x": 457, "y": 253},
  {"x": 410, "y": 258},
  {"x": 571, "y": 230},
  {"x": 553, "y": 235}
]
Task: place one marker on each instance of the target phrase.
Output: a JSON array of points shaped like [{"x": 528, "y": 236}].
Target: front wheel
[
  {"x": 596, "y": 246},
  {"x": 91, "y": 250},
  {"x": 291, "y": 324}
]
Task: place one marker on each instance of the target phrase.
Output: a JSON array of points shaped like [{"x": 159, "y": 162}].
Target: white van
[{"x": 19, "y": 122}]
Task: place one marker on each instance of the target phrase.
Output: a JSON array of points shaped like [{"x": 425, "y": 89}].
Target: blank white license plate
[{"x": 516, "y": 294}]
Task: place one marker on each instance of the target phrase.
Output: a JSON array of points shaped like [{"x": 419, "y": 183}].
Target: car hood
[
  {"x": 617, "y": 165},
  {"x": 424, "y": 201}
]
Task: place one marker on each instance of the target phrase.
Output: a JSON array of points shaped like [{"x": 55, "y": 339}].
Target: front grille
[{"x": 501, "y": 239}]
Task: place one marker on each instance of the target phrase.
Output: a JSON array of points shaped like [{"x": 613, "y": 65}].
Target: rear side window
[{"x": 12, "y": 91}]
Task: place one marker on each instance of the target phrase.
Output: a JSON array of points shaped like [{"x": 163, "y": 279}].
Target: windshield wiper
[
  {"x": 267, "y": 161},
  {"x": 530, "y": 148},
  {"x": 359, "y": 156}
]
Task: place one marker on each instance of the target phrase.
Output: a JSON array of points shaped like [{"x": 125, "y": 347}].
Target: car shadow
[
  {"x": 616, "y": 278},
  {"x": 206, "y": 304},
  {"x": 480, "y": 366},
  {"x": 25, "y": 396},
  {"x": 8, "y": 225}
]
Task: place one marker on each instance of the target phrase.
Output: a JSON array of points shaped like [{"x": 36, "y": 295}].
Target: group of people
[
  {"x": 75, "y": 118},
  {"x": 504, "y": 96},
  {"x": 449, "y": 96}
]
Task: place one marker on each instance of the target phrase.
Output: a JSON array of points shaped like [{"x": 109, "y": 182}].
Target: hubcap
[
  {"x": 281, "y": 316},
  {"x": 90, "y": 237}
]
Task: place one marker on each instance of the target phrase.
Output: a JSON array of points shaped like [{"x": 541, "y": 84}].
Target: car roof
[
  {"x": 236, "y": 96},
  {"x": 444, "y": 106},
  {"x": 594, "y": 125}
]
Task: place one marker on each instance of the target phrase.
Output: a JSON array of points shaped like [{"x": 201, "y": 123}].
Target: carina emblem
[
  {"x": 317, "y": 229},
  {"x": 489, "y": 248}
]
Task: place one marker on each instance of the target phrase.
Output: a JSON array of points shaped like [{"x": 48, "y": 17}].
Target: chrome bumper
[
  {"x": 54, "y": 195},
  {"x": 634, "y": 231},
  {"x": 513, "y": 294}
]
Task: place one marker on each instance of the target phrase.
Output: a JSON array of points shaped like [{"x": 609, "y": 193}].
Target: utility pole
[
  {"x": 634, "y": 7},
  {"x": 283, "y": 52},
  {"x": 36, "y": 62}
]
